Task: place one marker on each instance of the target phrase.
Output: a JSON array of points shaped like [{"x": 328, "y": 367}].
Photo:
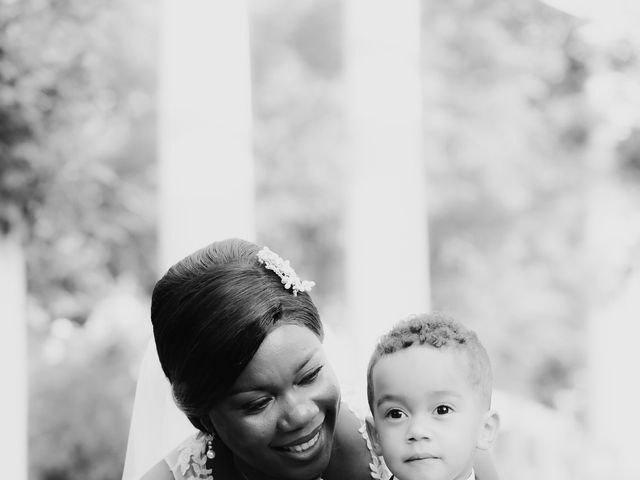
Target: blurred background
[{"x": 476, "y": 156}]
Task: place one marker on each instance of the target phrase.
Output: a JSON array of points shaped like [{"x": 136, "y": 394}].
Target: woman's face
[{"x": 279, "y": 416}]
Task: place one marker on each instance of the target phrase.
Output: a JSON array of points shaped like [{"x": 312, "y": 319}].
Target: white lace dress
[{"x": 189, "y": 461}]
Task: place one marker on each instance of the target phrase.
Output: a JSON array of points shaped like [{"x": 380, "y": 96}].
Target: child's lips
[{"x": 421, "y": 456}]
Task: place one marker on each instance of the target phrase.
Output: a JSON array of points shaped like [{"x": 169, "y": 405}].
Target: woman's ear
[
  {"x": 488, "y": 430},
  {"x": 373, "y": 435},
  {"x": 206, "y": 422}
]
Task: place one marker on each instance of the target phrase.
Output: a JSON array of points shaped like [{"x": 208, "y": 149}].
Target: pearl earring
[{"x": 210, "y": 453}]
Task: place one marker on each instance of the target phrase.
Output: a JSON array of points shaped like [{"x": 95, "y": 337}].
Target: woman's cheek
[
  {"x": 262, "y": 424},
  {"x": 330, "y": 384}
]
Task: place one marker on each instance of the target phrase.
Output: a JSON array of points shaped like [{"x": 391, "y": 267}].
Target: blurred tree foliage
[
  {"x": 78, "y": 148},
  {"x": 299, "y": 135},
  {"x": 507, "y": 129},
  {"x": 77, "y": 151},
  {"x": 80, "y": 403},
  {"x": 514, "y": 148}
]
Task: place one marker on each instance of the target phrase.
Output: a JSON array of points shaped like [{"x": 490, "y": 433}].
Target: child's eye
[
  {"x": 394, "y": 413},
  {"x": 443, "y": 409},
  {"x": 310, "y": 377}
]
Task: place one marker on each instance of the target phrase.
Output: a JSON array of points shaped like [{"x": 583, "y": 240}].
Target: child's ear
[
  {"x": 373, "y": 435},
  {"x": 488, "y": 430}
]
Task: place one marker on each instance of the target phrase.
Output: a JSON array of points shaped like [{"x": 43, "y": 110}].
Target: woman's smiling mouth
[
  {"x": 302, "y": 447},
  {"x": 304, "y": 443}
]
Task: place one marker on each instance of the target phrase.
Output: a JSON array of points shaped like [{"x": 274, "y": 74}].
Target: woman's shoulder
[
  {"x": 185, "y": 462},
  {"x": 353, "y": 456}
]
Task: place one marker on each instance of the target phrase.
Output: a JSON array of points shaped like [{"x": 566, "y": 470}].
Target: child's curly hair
[{"x": 437, "y": 330}]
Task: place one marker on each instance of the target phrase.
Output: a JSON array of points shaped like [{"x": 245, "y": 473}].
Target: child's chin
[{"x": 431, "y": 469}]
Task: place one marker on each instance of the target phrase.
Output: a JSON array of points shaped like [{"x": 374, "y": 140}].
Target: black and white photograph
[{"x": 320, "y": 239}]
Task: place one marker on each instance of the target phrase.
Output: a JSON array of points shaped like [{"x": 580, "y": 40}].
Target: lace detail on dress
[
  {"x": 377, "y": 467},
  {"x": 191, "y": 461},
  {"x": 379, "y": 470}
]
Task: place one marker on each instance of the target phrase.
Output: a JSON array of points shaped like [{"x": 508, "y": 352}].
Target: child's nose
[{"x": 419, "y": 429}]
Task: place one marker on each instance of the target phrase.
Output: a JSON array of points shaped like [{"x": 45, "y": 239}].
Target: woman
[{"x": 240, "y": 341}]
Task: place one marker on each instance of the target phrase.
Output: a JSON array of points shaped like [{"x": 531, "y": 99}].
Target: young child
[{"x": 429, "y": 390}]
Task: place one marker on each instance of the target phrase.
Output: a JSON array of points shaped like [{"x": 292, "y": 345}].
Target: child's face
[{"x": 428, "y": 418}]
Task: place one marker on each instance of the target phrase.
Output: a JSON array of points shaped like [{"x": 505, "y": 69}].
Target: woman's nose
[{"x": 297, "y": 411}]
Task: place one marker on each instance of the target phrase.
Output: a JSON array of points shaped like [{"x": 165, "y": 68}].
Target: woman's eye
[
  {"x": 394, "y": 414},
  {"x": 443, "y": 409},
  {"x": 311, "y": 377},
  {"x": 256, "y": 406}
]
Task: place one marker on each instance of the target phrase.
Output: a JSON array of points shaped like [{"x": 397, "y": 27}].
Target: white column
[
  {"x": 613, "y": 332},
  {"x": 13, "y": 357},
  {"x": 205, "y": 170},
  {"x": 387, "y": 247},
  {"x": 614, "y": 356},
  {"x": 612, "y": 282}
]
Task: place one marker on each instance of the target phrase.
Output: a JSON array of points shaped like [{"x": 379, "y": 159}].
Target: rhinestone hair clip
[{"x": 272, "y": 261}]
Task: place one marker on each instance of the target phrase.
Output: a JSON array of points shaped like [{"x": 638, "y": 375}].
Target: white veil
[{"x": 157, "y": 425}]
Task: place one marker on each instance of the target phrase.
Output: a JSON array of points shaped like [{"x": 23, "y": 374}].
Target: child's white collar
[{"x": 472, "y": 476}]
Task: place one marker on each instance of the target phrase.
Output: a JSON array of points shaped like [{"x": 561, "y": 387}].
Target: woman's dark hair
[{"x": 211, "y": 312}]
